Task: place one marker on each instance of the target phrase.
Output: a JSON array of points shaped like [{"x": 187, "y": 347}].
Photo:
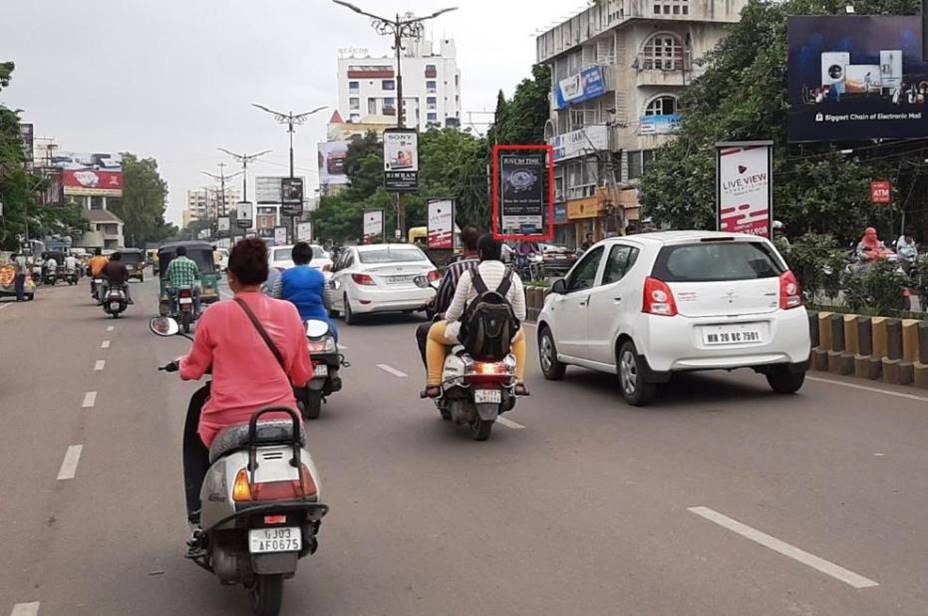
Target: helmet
[{"x": 778, "y": 226}]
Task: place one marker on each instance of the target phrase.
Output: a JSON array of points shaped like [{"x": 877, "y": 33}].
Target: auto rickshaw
[
  {"x": 8, "y": 282},
  {"x": 202, "y": 254}
]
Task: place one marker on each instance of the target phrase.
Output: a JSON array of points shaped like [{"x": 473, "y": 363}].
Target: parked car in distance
[
  {"x": 557, "y": 260},
  {"x": 379, "y": 278},
  {"x": 281, "y": 258},
  {"x": 647, "y": 306}
]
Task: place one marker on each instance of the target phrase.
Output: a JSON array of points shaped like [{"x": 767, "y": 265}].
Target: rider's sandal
[
  {"x": 522, "y": 390},
  {"x": 432, "y": 391}
]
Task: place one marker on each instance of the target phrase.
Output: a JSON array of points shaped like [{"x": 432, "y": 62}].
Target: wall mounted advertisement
[
  {"x": 856, "y": 78},
  {"x": 244, "y": 214},
  {"x": 373, "y": 226},
  {"x": 304, "y": 231},
  {"x": 659, "y": 124},
  {"x": 744, "y": 188},
  {"x": 401, "y": 159},
  {"x": 580, "y": 142},
  {"x": 291, "y": 196},
  {"x": 441, "y": 224},
  {"x": 523, "y": 192},
  {"x": 331, "y": 157},
  {"x": 583, "y": 86}
]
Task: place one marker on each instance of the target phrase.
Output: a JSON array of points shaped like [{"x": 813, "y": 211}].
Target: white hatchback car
[
  {"x": 379, "y": 278},
  {"x": 647, "y": 306},
  {"x": 281, "y": 258}
]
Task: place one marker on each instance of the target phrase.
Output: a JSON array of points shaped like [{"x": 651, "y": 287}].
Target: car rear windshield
[
  {"x": 283, "y": 254},
  {"x": 131, "y": 257},
  {"x": 391, "y": 255},
  {"x": 716, "y": 261}
]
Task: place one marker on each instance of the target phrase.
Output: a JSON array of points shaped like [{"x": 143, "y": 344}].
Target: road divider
[
  {"x": 392, "y": 370},
  {"x": 69, "y": 465},
  {"x": 90, "y": 398},
  {"x": 781, "y": 547}
]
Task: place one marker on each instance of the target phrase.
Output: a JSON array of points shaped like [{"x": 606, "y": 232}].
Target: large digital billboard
[
  {"x": 83, "y": 174},
  {"x": 856, "y": 78}
]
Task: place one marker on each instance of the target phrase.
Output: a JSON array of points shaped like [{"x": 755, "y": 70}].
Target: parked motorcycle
[
  {"x": 115, "y": 300},
  {"x": 326, "y": 361},
  {"x": 262, "y": 509}
]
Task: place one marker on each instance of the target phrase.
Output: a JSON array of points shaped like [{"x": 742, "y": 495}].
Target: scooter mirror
[
  {"x": 421, "y": 282},
  {"x": 316, "y": 328},
  {"x": 163, "y": 326}
]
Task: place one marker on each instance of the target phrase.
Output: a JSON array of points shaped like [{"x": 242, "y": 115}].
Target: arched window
[
  {"x": 661, "y": 106},
  {"x": 663, "y": 52}
]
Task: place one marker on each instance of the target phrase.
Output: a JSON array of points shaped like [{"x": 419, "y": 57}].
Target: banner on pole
[
  {"x": 401, "y": 159},
  {"x": 291, "y": 196},
  {"x": 223, "y": 224},
  {"x": 373, "y": 226},
  {"x": 523, "y": 192},
  {"x": 280, "y": 236},
  {"x": 304, "y": 231},
  {"x": 441, "y": 224},
  {"x": 881, "y": 192},
  {"x": 744, "y": 187},
  {"x": 244, "y": 214}
]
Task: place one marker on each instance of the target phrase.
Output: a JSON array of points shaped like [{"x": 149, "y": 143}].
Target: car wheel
[
  {"x": 350, "y": 319},
  {"x": 635, "y": 389},
  {"x": 784, "y": 381},
  {"x": 547, "y": 356}
]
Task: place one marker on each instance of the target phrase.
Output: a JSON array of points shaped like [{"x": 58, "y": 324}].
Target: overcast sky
[{"x": 174, "y": 79}]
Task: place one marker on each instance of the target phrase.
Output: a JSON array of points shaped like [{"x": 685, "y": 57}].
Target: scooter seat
[{"x": 233, "y": 438}]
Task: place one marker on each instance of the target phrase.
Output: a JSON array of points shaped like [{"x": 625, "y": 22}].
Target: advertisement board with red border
[
  {"x": 96, "y": 182},
  {"x": 522, "y": 194},
  {"x": 441, "y": 224}
]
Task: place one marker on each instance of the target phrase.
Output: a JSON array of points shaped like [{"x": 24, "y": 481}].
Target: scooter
[
  {"x": 71, "y": 277},
  {"x": 262, "y": 509},
  {"x": 50, "y": 277},
  {"x": 115, "y": 301},
  {"x": 326, "y": 361},
  {"x": 96, "y": 290},
  {"x": 186, "y": 307}
]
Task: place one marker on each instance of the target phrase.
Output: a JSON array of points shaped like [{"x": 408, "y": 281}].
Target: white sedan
[
  {"x": 281, "y": 258},
  {"x": 647, "y": 306},
  {"x": 379, "y": 278}
]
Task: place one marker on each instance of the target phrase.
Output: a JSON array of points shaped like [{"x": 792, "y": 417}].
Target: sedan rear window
[
  {"x": 391, "y": 255},
  {"x": 716, "y": 261},
  {"x": 283, "y": 254}
]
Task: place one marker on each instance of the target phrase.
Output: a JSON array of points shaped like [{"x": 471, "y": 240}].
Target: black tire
[
  {"x": 30, "y": 296},
  {"x": 350, "y": 318},
  {"x": 266, "y": 595},
  {"x": 480, "y": 429},
  {"x": 784, "y": 381},
  {"x": 445, "y": 413},
  {"x": 312, "y": 404},
  {"x": 547, "y": 356},
  {"x": 185, "y": 320},
  {"x": 635, "y": 390}
]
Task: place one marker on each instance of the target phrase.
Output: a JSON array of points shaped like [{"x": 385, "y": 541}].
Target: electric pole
[
  {"x": 222, "y": 177},
  {"x": 244, "y": 159}
]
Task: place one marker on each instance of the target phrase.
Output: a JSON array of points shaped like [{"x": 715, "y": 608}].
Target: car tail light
[
  {"x": 290, "y": 489},
  {"x": 363, "y": 279},
  {"x": 790, "y": 291},
  {"x": 658, "y": 298},
  {"x": 434, "y": 276}
]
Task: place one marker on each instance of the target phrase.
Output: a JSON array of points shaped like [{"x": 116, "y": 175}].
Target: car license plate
[
  {"x": 114, "y": 306},
  {"x": 321, "y": 370},
  {"x": 731, "y": 334},
  {"x": 399, "y": 279},
  {"x": 487, "y": 396},
  {"x": 186, "y": 300},
  {"x": 284, "y": 539}
]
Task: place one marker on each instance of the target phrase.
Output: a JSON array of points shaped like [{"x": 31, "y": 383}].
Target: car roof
[
  {"x": 370, "y": 247},
  {"x": 190, "y": 244},
  {"x": 679, "y": 237}
]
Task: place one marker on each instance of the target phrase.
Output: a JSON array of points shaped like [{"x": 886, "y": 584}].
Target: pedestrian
[
  {"x": 20, "y": 280},
  {"x": 587, "y": 242},
  {"x": 906, "y": 247}
]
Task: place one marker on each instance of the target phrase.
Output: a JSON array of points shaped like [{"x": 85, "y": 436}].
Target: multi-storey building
[
  {"x": 617, "y": 70},
  {"x": 206, "y": 204}
]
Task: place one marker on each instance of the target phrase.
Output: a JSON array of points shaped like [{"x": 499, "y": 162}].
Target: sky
[{"x": 175, "y": 79}]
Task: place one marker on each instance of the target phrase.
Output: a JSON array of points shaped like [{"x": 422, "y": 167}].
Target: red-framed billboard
[{"x": 523, "y": 207}]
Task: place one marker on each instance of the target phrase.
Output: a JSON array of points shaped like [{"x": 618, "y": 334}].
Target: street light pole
[
  {"x": 222, "y": 177},
  {"x": 244, "y": 159}
]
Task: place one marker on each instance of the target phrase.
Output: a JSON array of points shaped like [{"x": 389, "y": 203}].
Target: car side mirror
[{"x": 559, "y": 286}]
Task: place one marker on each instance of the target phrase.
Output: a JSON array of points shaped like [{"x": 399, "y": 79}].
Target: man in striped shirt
[{"x": 449, "y": 283}]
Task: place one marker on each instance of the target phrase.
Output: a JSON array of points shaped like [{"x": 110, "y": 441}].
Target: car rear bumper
[{"x": 367, "y": 300}]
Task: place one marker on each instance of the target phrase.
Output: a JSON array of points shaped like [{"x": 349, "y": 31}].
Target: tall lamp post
[
  {"x": 244, "y": 159},
  {"x": 290, "y": 120},
  {"x": 221, "y": 178},
  {"x": 409, "y": 26}
]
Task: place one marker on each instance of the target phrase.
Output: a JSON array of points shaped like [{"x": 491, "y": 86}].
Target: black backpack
[{"x": 488, "y": 323}]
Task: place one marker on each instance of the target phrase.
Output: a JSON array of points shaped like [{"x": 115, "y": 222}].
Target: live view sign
[
  {"x": 881, "y": 192},
  {"x": 744, "y": 195}
]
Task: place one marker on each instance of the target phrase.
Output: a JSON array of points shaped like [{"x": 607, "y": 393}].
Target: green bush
[
  {"x": 875, "y": 289},
  {"x": 817, "y": 261}
]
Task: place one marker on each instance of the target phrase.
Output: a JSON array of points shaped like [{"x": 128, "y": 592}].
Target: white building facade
[
  {"x": 206, "y": 204},
  {"x": 617, "y": 70}
]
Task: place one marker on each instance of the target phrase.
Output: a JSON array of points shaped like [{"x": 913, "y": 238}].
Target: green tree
[
  {"x": 143, "y": 201},
  {"x": 522, "y": 119}
]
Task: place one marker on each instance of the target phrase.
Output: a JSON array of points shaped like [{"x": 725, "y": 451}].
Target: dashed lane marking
[
  {"x": 105, "y": 344},
  {"x": 781, "y": 547},
  {"x": 875, "y": 390},
  {"x": 5, "y": 305},
  {"x": 110, "y": 328},
  {"x": 90, "y": 398},
  {"x": 509, "y": 423},
  {"x": 25, "y": 609},
  {"x": 99, "y": 365},
  {"x": 69, "y": 466},
  {"x": 392, "y": 370}
]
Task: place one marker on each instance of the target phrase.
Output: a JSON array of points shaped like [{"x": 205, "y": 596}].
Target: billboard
[
  {"x": 523, "y": 192},
  {"x": 881, "y": 192},
  {"x": 280, "y": 236},
  {"x": 659, "y": 124},
  {"x": 266, "y": 220},
  {"x": 744, "y": 188},
  {"x": 373, "y": 226},
  {"x": 583, "y": 86},
  {"x": 856, "y": 78},
  {"x": 581, "y": 142},
  {"x": 304, "y": 231},
  {"x": 223, "y": 224},
  {"x": 332, "y": 163},
  {"x": 291, "y": 196},
  {"x": 267, "y": 189},
  {"x": 85, "y": 174},
  {"x": 244, "y": 214},
  {"x": 401, "y": 159},
  {"x": 54, "y": 194},
  {"x": 441, "y": 224},
  {"x": 27, "y": 133}
]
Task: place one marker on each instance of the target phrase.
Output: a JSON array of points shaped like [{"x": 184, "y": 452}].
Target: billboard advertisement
[
  {"x": 881, "y": 192},
  {"x": 523, "y": 192},
  {"x": 441, "y": 224},
  {"x": 373, "y": 226},
  {"x": 86, "y": 174},
  {"x": 266, "y": 220},
  {"x": 27, "y": 133},
  {"x": 401, "y": 159},
  {"x": 223, "y": 224},
  {"x": 581, "y": 142},
  {"x": 267, "y": 189},
  {"x": 856, "y": 78},
  {"x": 659, "y": 124},
  {"x": 744, "y": 189},
  {"x": 244, "y": 214},
  {"x": 280, "y": 236},
  {"x": 291, "y": 196},
  {"x": 583, "y": 86},
  {"x": 304, "y": 231},
  {"x": 332, "y": 163}
]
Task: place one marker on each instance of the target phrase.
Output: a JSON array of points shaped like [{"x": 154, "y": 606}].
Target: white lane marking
[
  {"x": 509, "y": 423},
  {"x": 110, "y": 328},
  {"x": 392, "y": 370},
  {"x": 69, "y": 466},
  {"x": 342, "y": 347},
  {"x": 25, "y": 609},
  {"x": 781, "y": 547},
  {"x": 5, "y": 305},
  {"x": 101, "y": 363},
  {"x": 90, "y": 398},
  {"x": 875, "y": 390},
  {"x": 105, "y": 344},
  {"x": 879, "y": 455}
]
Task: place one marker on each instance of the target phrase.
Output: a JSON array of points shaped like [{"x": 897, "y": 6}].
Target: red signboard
[
  {"x": 881, "y": 192},
  {"x": 82, "y": 182}
]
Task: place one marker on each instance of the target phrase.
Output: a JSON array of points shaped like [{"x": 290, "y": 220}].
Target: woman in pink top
[{"x": 246, "y": 374}]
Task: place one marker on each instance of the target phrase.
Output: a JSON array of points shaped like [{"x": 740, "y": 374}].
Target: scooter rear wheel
[
  {"x": 480, "y": 429},
  {"x": 267, "y": 594}
]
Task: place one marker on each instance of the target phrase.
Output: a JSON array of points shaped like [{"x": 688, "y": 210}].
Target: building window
[
  {"x": 354, "y": 103},
  {"x": 353, "y": 87},
  {"x": 639, "y": 163},
  {"x": 388, "y": 84},
  {"x": 431, "y": 102},
  {"x": 372, "y": 106},
  {"x": 389, "y": 106},
  {"x": 661, "y": 106},
  {"x": 457, "y": 81},
  {"x": 677, "y": 7},
  {"x": 432, "y": 117},
  {"x": 663, "y": 52},
  {"x": 431, "y": 71},
  {"x": 431, "y": 87}
]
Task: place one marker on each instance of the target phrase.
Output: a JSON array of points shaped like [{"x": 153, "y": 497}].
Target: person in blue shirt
[{"x": 304, "y": 287}]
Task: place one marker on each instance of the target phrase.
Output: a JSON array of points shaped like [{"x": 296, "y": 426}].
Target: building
[
  {"x": 105, "y": 229},
  {"x": 431, "y": 85},
  {"x": 617, "y": 70},
  {"x": 206, "y": 204}
]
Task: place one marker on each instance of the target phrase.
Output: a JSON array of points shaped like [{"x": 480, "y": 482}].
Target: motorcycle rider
[
  {"x": 248, "y": 374},
  {"x": 117, "y": 275},
  {"x": 97, "y": 263},
  {"x": 50, "y": 265},
  {"x": 70, "y": 264},
  {"x": 304, "y": 287},
  {"x": 449, "y": 283},
  {"x": 445, "y": 333},
  {"x": 183, "y": 272}
]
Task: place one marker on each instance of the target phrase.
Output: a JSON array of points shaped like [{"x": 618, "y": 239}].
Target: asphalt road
[{"x": 721, "y": 498}]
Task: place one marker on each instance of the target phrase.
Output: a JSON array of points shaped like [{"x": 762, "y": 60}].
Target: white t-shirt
[{"x": 492, "y": 273}]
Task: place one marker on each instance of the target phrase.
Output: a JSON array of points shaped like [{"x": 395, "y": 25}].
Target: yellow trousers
[{"x": 436, "y": 349}]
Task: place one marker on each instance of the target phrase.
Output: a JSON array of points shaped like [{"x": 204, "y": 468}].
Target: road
[{"x": 721, "y": 498}]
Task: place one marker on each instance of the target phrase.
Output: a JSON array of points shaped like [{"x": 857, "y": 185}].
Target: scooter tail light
[
  {"x": 290, "y": 489},
  {"x": 363, "y": 279},
  {"x": 790, "y": 291},
  {"x": 658, "y": 298}
]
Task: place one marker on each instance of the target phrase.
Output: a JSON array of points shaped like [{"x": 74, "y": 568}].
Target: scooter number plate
[
  {"x": 488, "y": 396},
  {"x": 321, "y": 370},
  {"x": 267, "y": 540},
  {"x": 186, "y": 300}
]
